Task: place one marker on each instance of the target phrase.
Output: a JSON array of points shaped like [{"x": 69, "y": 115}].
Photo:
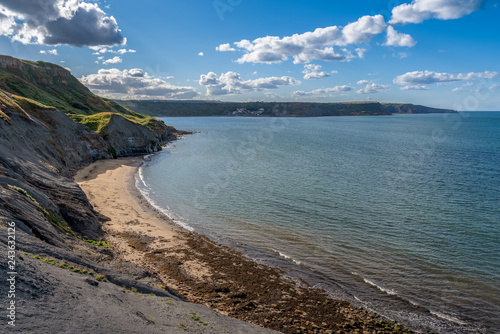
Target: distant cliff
[
  {"x": 408, "y": 108},
  {"x": 290, "y": 109}
]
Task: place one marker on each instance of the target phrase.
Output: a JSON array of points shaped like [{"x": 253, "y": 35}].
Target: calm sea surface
[{"x": 399, "y": 214}]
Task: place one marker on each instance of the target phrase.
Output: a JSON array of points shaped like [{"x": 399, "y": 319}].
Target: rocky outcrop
[{"x": 128, "y": 138}]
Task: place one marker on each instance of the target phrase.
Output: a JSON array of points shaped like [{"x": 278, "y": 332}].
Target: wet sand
[{"x": 207, "y": 273}]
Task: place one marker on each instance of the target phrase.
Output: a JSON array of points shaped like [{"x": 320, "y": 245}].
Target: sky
[{"x": 440, "y": 53}]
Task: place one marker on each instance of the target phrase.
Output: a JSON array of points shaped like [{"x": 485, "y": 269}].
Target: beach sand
[{"x": 207, "y": 273}]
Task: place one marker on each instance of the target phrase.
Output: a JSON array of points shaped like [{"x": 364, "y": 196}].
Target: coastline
[{"x": 206, "y": 273}]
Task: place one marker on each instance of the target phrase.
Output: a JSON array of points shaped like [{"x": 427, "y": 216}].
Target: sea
[{"x": 397, "y": 214}]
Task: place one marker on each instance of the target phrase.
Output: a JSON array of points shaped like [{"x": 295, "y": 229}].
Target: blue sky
[{"x": 441, "y": 53}]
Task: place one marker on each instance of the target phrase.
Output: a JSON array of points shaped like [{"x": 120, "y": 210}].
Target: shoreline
[{"x": 207, "y": 273}]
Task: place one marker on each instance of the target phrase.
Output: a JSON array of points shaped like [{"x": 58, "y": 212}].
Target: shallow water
[{"x": 400, "y": 214}]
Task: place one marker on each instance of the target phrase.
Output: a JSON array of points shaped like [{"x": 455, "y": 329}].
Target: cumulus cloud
[
  {"x": 224, "y": 48},
  {"x": 114, "y": 60},
  {"x": 231, "y": 83},
  {"x": 318, "y": 44},
  {"x": 430, "y": 77},
  {"x": 420, "y": 10},
  {"x": 363, "y": 30},
  {"x": 134, "y": 83},
  {"x": 323, "y": 91},
  {"x": 201, "y": 54},
  {"x": 362, "y": 82},
  {"x": 54, "y": 22},
  {"x": 373, "y": 88},
  {"x": 395, "y": 38},
  {"x": 314, "y": 72}
]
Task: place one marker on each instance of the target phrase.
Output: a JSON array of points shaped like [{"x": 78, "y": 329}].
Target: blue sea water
[{"x": 399, "y": 214}]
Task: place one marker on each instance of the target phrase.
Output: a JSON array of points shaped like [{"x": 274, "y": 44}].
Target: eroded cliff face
[
  {"x": 39, "y": 149},
  {"x": 128, "y": 138}
]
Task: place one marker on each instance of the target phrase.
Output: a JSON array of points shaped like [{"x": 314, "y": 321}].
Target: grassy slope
[{"x": 52, "y": 85}]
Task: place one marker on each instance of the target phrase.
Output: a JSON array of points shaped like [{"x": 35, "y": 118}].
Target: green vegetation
[
  {"x": 6, "y": 103},
  {"x": 104, "y": 244},
  {"x": 101, "y": 278},
  {"x": 45, "y": 85},
  {"x": 97, "y": 122},
  {"x": 217, "y": 108},
  {"x": 63, "y": 264},
  {"x": 55, "y": 219},
  {"x": 29, "y": 104},
  {"x": 196, "y": 318}
]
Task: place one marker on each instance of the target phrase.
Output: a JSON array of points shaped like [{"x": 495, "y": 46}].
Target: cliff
[
  {"x": 276, "y": 109},
  {"x": 54, "y": 86},
  {"x": 38, "y": 150}
]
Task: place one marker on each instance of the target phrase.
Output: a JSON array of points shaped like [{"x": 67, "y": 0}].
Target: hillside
[
  {"x": 292, "y": 109},
  {"x": 53, "y": 85},
  {"x": 67, "y": 279}
]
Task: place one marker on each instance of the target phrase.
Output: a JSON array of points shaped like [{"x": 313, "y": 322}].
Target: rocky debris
[
  {"x": 61, "y": 291},
  {"x": 244, "y": 289}
]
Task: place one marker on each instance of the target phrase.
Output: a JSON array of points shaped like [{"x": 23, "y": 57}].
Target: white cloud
[
  {"x": 231, "y": 83},
  {"x": 373, "y": 88},
  {"x": 324, "y": 91},
  {"x": 415, "y": 87},
  {"x": 363, "y": 30},
  {"x": 361, "y": 52},
  {"x": 54, "y": 22},
  {"x": 201, "y": 54},
  {"x": 395, "y": 38},
  {"x": 114, "y": 60},
  {"x": 458, "y": 89},
  {"x": 52, "y": 52},
  {"x": 401, "y": 55},
  {"x": 100, "y": 50},
  {"x": 314, "y": 72},
  {"x": 430, "y": 77},
  {"x": 318, "y": 44},
  {"x": 420, "y": 10},
  {"x": 134, "y": 83},
  {"x": 123, "y": 51},
  {"x": 224, "y": 48},
  {"x": 362, "y": 82}
]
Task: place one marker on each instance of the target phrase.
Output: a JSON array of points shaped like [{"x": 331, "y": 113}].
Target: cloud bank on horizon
[{"x": 84, "y": 24}]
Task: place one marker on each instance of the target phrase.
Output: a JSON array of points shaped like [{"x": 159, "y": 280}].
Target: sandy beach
[{"x": 207, "y": 273}]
